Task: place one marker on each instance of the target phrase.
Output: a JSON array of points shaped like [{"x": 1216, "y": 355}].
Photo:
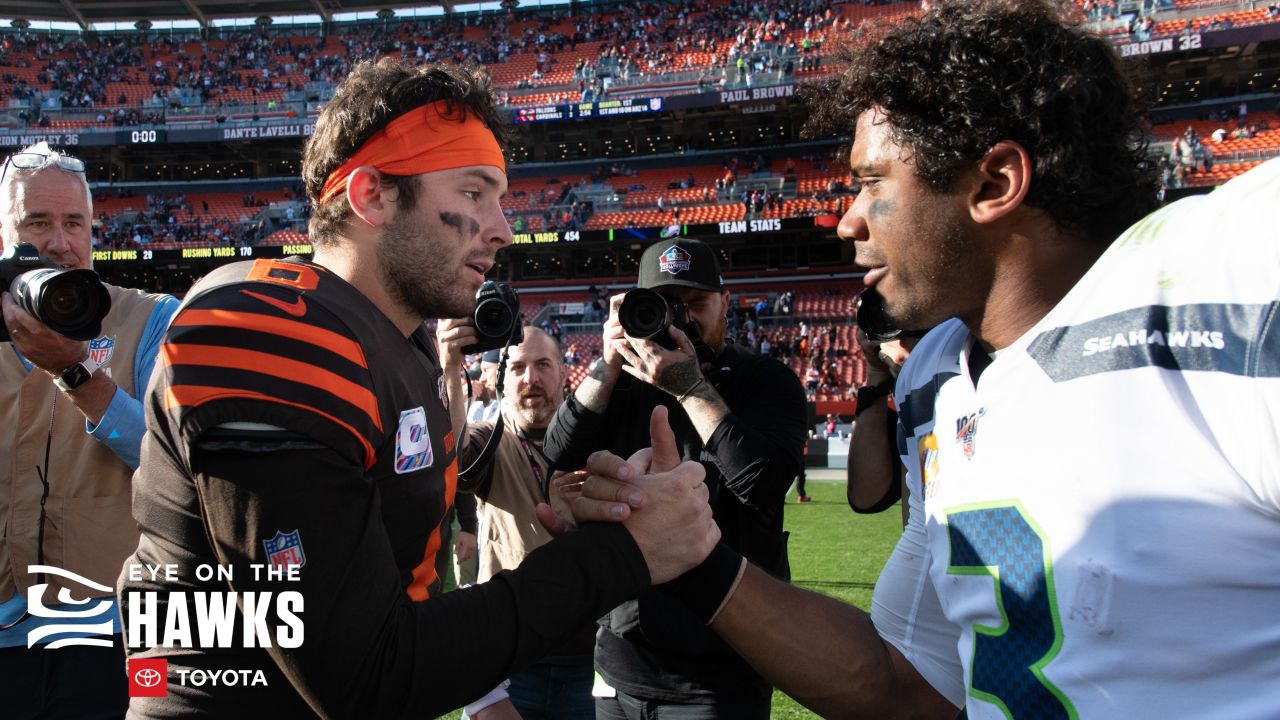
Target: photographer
[
  {"x": 74, "y": 427},
  {"x": 743, "y": 417},
  {"x": 508, "y": 490}
]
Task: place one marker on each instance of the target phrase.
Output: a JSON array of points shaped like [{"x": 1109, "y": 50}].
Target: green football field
[
  {"x": 836, "y": 552},
  {"x": 833, "y": 551}
]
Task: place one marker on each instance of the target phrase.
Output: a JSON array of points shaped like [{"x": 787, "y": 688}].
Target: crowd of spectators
[
  {"x": 153, "y": 230},
  {"x": 736, "y": 40},
  {"x": 78, "y": 69},
  {"x": 257, "y": 63},
  {"x": 637, "y": 38},
  {"x": 1109, "y": 10},
  {"x": 643, "y": 36},
  {"x": 569, "y": 216},
  {"x": 1191, "y": 154},
  {"x": 177, "y": 219}
]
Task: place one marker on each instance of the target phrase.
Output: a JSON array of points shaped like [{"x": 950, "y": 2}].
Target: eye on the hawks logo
[
  {"x": 674, "y": 260},
  {"x": 75, "y": 617},
  {"x": 285, "y": 549},
  {"x": 100, "y": 349},
  {"x": 966, "y": 429}
]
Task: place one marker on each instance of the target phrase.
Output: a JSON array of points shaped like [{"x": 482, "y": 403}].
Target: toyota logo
[{"x": 147, "y": 677}]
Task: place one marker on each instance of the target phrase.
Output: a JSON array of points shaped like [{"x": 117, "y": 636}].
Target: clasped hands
[{"x": 661, "y": 501}]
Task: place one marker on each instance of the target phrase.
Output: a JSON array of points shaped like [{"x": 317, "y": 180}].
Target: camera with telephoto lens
[
  {"x": 497, "y": 318},
  {"x": 647, "y": 314},
  {"x": 69, "y": 302},
  {"x": 872, "y": 318}
]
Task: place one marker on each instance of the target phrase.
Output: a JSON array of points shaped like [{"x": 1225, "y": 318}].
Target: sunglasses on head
[{"x": 38, "y": 161}]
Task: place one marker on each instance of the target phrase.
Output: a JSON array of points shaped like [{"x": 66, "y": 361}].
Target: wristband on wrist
[
  {"x": 705, "y": 588},
  {"x": 692, "y": 387}
]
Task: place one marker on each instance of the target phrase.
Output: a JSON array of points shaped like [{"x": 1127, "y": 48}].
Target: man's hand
[
  {"x": 675, "y": 372},
  {"x": 665, "y": 501},
  {"x": 662, "y": 501},
  {"x": 48, "y": 350},
  {"x": 557, "y": 516},
  {"x": 879, "y": 372},
  {"x": 453, "y": 334},
  {"x": 614, "y": 337},
  {"x": 464, "y": 547},
  {"x": 594, "y": 390}
]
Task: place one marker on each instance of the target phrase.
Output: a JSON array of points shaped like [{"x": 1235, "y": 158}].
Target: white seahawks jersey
[{"x": 1099, "y": 535}]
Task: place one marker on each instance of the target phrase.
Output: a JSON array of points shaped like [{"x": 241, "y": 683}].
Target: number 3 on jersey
[{"x": 1008, "y": 661}]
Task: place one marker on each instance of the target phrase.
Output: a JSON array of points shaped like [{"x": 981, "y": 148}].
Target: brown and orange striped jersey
[
  {"x": 286, "y": 344},
  {"x": 291, "y": 423}
]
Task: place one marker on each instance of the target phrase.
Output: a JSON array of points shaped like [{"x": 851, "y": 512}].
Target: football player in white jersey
[{"x": 1093, "y": 441}]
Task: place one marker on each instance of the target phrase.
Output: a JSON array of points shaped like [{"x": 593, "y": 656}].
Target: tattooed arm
[
  {"x": 704, "y": 406},
  {"x": 677, "y": 373},
  {"x": 594, "y": 390},
  {"x": 578, "y": 428}
]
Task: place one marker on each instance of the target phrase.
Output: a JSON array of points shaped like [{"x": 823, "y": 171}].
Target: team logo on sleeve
[
  {"x": 674, "y": 260},
  {"x": 285, "y": 549},
  {"x": 413, "y": 442},
  {"x": 101, "y": 349},
  {"x": 966, "y": 429}
]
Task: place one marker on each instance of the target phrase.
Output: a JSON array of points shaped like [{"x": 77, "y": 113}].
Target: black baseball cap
[{"x": 683, "y": 262}]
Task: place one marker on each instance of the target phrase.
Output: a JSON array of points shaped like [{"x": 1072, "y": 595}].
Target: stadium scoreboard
[
  {"x": 763, "y": 228},
  {"x": 219, "y": 252},
  {"x": 589, "y": 110},
  {"x": 142, "y": 137}
]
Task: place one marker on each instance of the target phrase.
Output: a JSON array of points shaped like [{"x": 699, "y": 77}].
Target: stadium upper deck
[
  {"x": 64, "y": 81},
  {"x": 94, "y": 83}
]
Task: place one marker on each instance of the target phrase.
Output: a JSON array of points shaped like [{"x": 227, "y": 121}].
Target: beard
[
  {"x": 409, "y": 258},
  {"x": 708, "y": 343},
  {"x": 537, "y": 415},
  {"x": 928, "y": 301}
]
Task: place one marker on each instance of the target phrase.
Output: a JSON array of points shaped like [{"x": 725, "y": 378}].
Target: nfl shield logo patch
[
  {"x": 674, "y": 260},
  {"x": 100, "y": 349},
  {"x": 285, "y": 549},
  {"x": 967, "y": 429},
  {"x": 413, "y": 442}
]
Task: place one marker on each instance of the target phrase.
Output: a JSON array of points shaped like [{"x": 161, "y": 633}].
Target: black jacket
[{"x": 655, "y": 647}]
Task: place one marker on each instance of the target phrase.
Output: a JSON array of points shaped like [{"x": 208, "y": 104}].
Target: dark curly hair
[
  {"x": 370, "y": 97},
  {"x": 971, "y": 73}
]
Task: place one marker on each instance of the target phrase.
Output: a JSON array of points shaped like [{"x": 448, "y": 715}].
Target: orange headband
[{"x": 422, "y": 140}]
